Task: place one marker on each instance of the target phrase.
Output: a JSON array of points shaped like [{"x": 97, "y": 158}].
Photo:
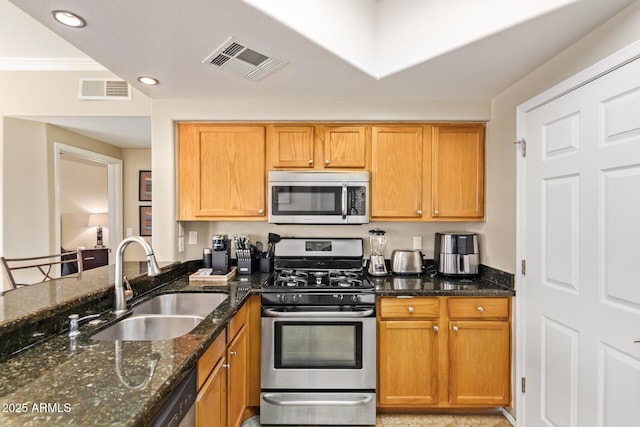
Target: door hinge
[
  {"x": 523, "y": 144},
  {"x": 523, "y": 384},
  {"x": 523, "y": 266}
]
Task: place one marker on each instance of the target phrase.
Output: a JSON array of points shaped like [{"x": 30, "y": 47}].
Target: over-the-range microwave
[{"x": 318, "y": 197}]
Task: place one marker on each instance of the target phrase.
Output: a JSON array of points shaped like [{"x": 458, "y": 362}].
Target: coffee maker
[{"x": 220, "y": 254}]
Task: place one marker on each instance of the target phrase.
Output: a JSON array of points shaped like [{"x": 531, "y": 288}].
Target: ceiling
[{"x": 332, "y": 49}]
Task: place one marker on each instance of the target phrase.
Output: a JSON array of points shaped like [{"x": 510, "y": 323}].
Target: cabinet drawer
[
  {"x": 418, "y": 307},
  {"x": 478, "y": 308},
  {"x": 208, "y": 361}
]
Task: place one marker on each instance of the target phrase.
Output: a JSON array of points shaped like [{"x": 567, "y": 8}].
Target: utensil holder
[{"x": 266, "y": 265}]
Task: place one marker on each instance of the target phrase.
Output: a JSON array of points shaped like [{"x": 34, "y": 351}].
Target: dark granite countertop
[
  {"x": 82, "y": 382},
  {"x": 55, "y": 380}
]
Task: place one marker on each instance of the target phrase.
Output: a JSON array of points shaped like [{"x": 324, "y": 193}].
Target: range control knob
[
  {"x": 295, "y": 298},
  {"x": 338, "y": 297},
  {"x": 282, "y": 298},
  {"x": 354, "y": 298}
]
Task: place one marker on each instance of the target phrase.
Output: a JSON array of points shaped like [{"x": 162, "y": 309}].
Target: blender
[{"x": 377, "y": 240}]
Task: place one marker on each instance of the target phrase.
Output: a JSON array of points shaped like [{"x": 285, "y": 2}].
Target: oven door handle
[
  {"x": 346, "y": 314},
  {"x": 273, "y": 399}
]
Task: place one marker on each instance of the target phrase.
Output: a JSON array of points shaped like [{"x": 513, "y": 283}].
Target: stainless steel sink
[
  {"x": 200, "y": 304},
  {"x": 149, "y": 327}
]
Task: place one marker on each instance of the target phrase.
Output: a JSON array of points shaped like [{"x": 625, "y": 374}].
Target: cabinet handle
[
  {"x": 435, "y": 328},
  {"x": 480, "y": 309},
  {"x": 310, "y": 162},
  {"x": 420, "y": 212},
  {"x": 326, "y": 162},
  {"x": 226, "y": 365},
  {"x": 233, "y": 353},
  {"x": 436, "y": 212},
  {"x": 455, "y": 329},
  {"x": 636, "y": 342},
  {"x": 410, "y": 309},
  {"x": 260, "y": 211}
]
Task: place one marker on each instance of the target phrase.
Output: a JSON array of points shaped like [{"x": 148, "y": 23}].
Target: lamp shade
[{"x": 98, "y": 219}]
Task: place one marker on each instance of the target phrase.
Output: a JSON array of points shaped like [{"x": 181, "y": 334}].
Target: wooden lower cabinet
[
  {"x": 227, "y": 371},
  {"x": 408, "y": 362},
  {"x": 444, "y": 352},
  {"x": 237, "y": 357},
  {"x": 211, "y": 401}
]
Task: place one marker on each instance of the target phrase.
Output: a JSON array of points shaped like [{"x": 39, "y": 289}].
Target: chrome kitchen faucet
[{"x": 120, "y": 301}]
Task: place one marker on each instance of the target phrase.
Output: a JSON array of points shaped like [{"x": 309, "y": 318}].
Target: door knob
[
  {"x": 455, "y": 329},
  {"x": 310, "y": 162},
  {"x": 326, "y": 162},
  {"x": 410, "y": 309},
  {"x": 480, "y": 309},
  {"x": 435, "y": 328}
]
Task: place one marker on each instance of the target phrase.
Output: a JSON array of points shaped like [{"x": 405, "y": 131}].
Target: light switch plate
[
  {"x": 417, "y": 242},
  {"x": 129, "y": 232},
  {"x": 193, "y": 237}
]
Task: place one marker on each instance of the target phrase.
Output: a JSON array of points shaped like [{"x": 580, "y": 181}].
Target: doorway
[{"x": 112, "y": 168}]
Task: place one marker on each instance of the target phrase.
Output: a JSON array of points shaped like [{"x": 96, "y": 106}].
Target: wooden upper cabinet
[
  {"x": 292, "y": 146},
  {"x": 221, "y": 172},
  {"x": 317, "y": 146},
  {"x": 344, "y": 146},
  {"x": 458, "y": 172},
  {"x": 396, "y": 172}
]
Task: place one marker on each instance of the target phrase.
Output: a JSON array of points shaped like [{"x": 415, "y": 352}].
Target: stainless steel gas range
[{"x": 318, "y": 335}]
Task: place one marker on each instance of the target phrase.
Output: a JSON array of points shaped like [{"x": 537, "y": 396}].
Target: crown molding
[{"x": 49, "y": 64}]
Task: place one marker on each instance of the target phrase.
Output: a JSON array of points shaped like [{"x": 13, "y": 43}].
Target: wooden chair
[{"x": 71, "y": 261}]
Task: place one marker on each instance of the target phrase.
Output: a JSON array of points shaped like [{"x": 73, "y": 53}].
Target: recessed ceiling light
[
  {"x": 148, "y": 80},
  {"x": 69, "y": 19}
]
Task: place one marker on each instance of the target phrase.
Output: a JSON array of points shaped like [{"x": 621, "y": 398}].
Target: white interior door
[{"x": 582, "y": 247}]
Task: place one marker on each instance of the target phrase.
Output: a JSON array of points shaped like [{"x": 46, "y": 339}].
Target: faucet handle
[{"x": 128, "y": 293}]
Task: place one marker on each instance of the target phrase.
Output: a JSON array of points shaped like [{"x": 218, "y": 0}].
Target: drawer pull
[
  {"x": 455, "y": 329},
  {"x": 480, "y": 309},
  {"x": 233, "y": 353},
  {"x": 435, "y": 328},
  {"x": 410, "y": 309}
]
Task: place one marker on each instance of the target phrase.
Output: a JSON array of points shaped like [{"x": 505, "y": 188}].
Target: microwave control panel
[{"x": 357, "y": 201}]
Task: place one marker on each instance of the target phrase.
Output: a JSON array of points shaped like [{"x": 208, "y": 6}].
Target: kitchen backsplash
[{"x": 399, "y": 234}]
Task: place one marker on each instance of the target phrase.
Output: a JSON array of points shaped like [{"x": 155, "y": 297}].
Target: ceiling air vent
[
  {"x": 234, "y": 56},
  {"x": 111, "y": 89}
]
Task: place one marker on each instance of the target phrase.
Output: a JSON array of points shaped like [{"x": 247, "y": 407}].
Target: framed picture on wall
[
  {"x": 144, "y": 186},
  {"x": 145, "y": 220}
]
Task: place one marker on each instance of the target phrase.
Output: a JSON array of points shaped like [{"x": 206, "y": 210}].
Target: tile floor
[{"x": 396, "y": 420}]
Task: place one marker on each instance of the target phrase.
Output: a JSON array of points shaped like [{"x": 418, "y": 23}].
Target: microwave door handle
[{"x": 344, "y": 201}]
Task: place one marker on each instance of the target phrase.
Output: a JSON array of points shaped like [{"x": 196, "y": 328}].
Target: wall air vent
[
  {"x": 111, "y": 89},
  {"x": 234, "y": 56}
]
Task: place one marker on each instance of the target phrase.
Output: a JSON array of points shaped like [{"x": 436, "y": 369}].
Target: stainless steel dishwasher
[{"x": 179, "y": 409}]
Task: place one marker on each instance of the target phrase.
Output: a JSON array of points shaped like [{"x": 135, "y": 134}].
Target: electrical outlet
[
  {"x": 181, "y": 244},
  {"x": 193, "y": 237},
  {"x": 417, "y": 243}
]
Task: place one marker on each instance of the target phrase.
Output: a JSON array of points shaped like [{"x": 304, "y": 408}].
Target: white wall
[
  {"x": 83, "y": 191},
  {"x": 134, "y": 160}
]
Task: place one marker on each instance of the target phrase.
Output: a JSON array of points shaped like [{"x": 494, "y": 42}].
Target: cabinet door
[
  {"x": 237, "y": 356},
  {"x": 458, "y": 172},
  {"x": 292, "y": 146},
  {"x": 344, "y": 147},
  {"x": 479, "y": 363},
  {"x": 211, "y": 402},
  {"x": 396, "y": 172},
  {"x": 408, "y": 362},
  {"x": 221, "y": 171}
]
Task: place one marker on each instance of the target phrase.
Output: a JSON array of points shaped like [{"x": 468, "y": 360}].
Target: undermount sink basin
[
  {"x": 149, "y": 327},
  {"x": 200, "y": 304}
]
